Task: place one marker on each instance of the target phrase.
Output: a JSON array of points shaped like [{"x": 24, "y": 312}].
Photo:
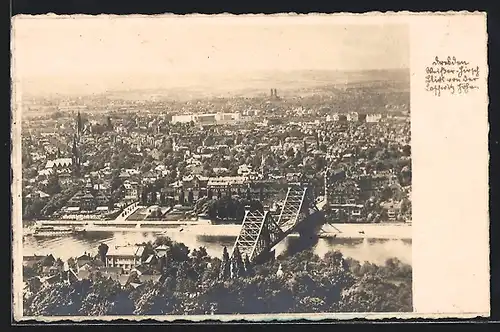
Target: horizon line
[{"x": 23, "y": 84}]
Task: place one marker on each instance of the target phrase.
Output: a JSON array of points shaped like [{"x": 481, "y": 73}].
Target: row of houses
[
  {"x": 120, "y": 263},
  {"x": 354, "y": 117},
  {"x": 363, "y": 197}
]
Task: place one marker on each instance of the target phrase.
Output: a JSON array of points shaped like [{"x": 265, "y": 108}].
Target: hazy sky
[{"x": 102, "y": 53}]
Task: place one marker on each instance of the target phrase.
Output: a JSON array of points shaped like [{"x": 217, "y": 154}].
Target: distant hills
[
  {"x": 229, "y": 84},
  {"x": 260, "y": 84}
]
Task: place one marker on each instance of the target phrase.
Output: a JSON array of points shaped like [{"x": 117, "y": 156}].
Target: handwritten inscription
[{"x": 453, "y": 76}]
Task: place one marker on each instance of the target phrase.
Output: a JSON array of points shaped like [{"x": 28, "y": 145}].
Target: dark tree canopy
[
  {"x": 195, "y": 283},
  {"x": 103, "y": 250}
]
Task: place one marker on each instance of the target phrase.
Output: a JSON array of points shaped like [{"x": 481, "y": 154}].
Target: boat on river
[{"x": 54, "y": 231}]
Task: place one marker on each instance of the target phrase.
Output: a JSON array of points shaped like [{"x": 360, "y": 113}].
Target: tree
[
  {"x": 122, "y": 304},
  {"x": 99, "y": 297},
  {"x": 27, "y": 160},
  {"x": 290, "y": 153},
  {"x": 386, "y": 193},
  {"x": 238, "y": 266},
  {"x": 111, "y": 203},
  {"x": 53, "y": 187},
  {"x": 319, "y": 163},
  {"x": 103, "y": 250},
  {"x": 51, "y": 301},
  {"x": 144, "y": 197},
  {"x": 190, "y": 197},
  {"x": 146, "y": 166},
  {"x": 59, "y": 263},
  {"x": 116, "y": 181},
  {"x": 225, "y": 268},
  {"x": 33, "y": 208},
  {"x": 158, "y": 184},
  {"x": 153, "y": 197},
  {"x": 72, "y": 263},
  {"x": 407, "y": 150},
  {"x": 248, "y": 266},
  {"x": 200, "y": 284},
  {"x": 162, "y": 199},
  {"x": 199, "y": 254},
  {"x": 163, "y": 240},
  {"x": 371, "y": 293},
  {"x": 109, "y": 124},
  {"x": 57, "y": 201},
  {"x": 182, "y": 198},
  {"x": 179, "y": 252}
]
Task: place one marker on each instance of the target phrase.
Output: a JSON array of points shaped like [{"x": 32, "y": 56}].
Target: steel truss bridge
[{"x": 260, "y": 232}]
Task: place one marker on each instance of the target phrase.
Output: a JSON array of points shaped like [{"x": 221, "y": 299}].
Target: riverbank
[{"x": 205, "y": 228}]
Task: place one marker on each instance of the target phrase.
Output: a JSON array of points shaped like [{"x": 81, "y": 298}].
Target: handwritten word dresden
[
  {"x": 450, "y": 61},
  {"x": 451, "y": 75}
]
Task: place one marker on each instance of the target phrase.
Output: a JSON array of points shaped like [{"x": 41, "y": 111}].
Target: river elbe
[{"x": 373, "y": 250}]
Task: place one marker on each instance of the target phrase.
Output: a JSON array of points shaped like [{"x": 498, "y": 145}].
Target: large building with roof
[
  {"x": 126, "y": 257},
  {"x": 207, "y": 119},
  {"x": 59, "y": 163}
]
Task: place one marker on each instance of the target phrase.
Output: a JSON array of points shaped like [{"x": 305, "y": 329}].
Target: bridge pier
[
  {"x": 265, "y": 257},
  {"x": 313, "y": 225},
  {"x": 308, "y": 234}
]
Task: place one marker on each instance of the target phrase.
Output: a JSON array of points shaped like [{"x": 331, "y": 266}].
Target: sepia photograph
[{"x": 204, "y": 166}]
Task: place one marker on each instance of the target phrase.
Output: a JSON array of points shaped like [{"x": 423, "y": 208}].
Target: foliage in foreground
[{"x": 191, "y": 285}]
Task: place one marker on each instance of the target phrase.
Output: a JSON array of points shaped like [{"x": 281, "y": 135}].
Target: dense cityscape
[
  {"x": 80, "y": 162},
  {"x": 104, "y": 159}
]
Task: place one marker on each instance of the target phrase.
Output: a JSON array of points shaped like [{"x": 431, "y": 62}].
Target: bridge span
[{"x": 261, "y": 231}]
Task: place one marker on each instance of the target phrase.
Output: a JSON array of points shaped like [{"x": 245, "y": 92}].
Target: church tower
[
  {"x": 263, "y": 165},
  {"x": 75, "y": 156},
  {"x": 79, "y": 125}
]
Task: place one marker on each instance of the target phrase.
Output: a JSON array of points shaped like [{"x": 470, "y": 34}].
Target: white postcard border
[{"x": 460, "y": 288}]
